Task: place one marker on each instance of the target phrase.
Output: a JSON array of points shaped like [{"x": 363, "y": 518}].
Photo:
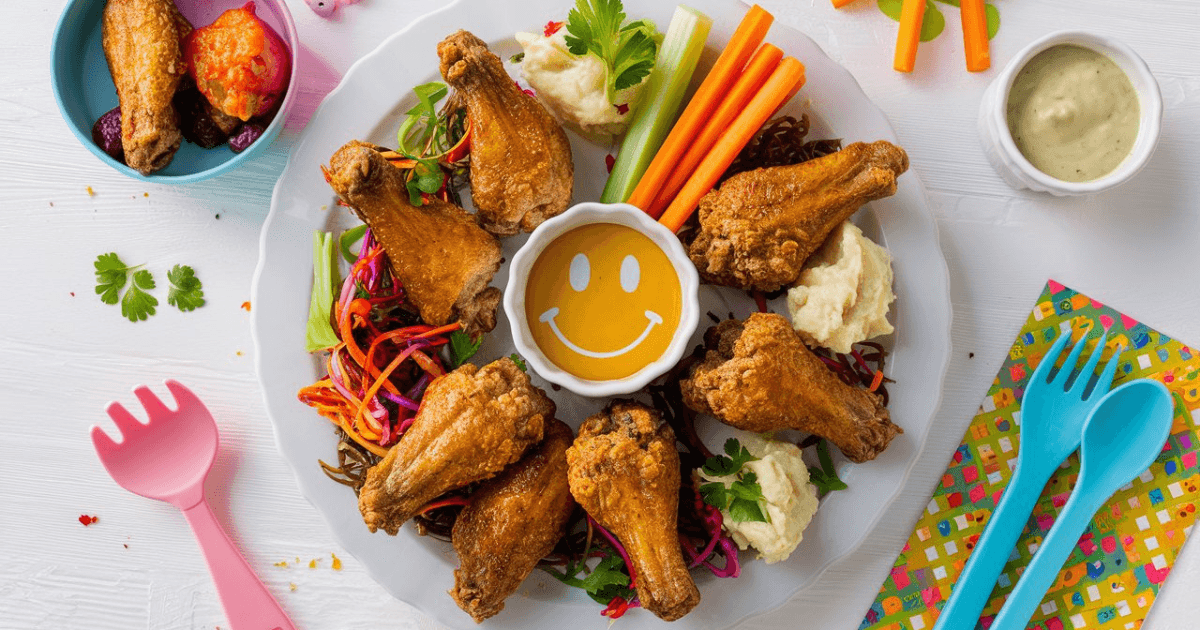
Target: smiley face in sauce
[{"x": 603, "y": 301}]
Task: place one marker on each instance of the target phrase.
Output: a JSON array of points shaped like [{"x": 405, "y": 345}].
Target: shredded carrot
[
  {"x": 782, "y": 81},
  {"x": 725, "y": 71},
  {"x": 975, "y": 36},
  {"x": 383, "y": 377},
  {"x": 876, "y": 381},
  {"x": 748, "y": 84},
  {"x": 911, "y": 15}
]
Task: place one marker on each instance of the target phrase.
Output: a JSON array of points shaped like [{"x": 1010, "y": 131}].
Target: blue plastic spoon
[{"x": 1123, "y": 435}]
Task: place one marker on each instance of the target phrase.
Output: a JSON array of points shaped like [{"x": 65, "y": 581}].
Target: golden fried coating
[
  {"x": 759, "y": 376},
  {"x": 760, "y": 227},
  {"x": 521, "y": 167},
  {"x": 624, "y": 470},
  {"x": 473, "y": 422},
  {"x": 437, "y": 251},
  {"x": 513, "y": 520},
  {"x": 141, "y": 43}
]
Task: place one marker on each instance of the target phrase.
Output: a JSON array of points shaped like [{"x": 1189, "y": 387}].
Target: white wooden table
[{"x": 65, "y": 354}]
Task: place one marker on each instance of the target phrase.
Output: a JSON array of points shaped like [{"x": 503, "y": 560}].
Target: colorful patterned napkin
[{"x": 1116, "y": 569}]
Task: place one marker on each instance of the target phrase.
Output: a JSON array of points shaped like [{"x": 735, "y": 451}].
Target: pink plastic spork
[{"x": 168, "y": 460}]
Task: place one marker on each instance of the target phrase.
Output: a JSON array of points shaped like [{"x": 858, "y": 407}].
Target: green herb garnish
[
  {"x": 186, "y": 292},
  {"x": 348, "y": 238},
  {"x": 462, "y": 347},
  {"x": 742, "y": 497},
  {"x": 112, "y": 275},
  {"x": 628, "y": 51},
  {"x": 516, "y": 358},
  {"x": 825, "y": 478},
  {"x": 605, "y": 582}
]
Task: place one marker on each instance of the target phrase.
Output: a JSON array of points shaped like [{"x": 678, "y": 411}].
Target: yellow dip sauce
[
  {"x": 603, "y": 301},
  {"x": 1073, "y": 113}
]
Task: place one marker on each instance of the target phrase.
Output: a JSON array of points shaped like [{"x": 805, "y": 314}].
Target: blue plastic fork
[{"x": 1053, "y": 411}]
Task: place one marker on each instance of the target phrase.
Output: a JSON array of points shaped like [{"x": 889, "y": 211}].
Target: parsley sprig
[
  {"x": 825, "y": 477},
  {"x": 112, "y": 275},
  {"x": 742, "y": 498},
  {"x": 462, "y": 347},
  {"x": 628, "y": 51},
  {"x": 606, "y": 581}
]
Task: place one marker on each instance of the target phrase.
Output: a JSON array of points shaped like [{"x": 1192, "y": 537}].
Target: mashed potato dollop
[
  {"x": 573, "y": 87},
  {"x": 790, "y": 500},
  {"x": 844, "y": 291}
]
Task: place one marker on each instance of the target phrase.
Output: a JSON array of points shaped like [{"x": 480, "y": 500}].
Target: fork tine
[
  {"x": 1110, "y": 368},
  {"x": 184, "y": 397},
  {"x": 1068, "y": 366},
  {"x": 155, "y": 407},
  {"x": 126, "y": 423},
  {"x": 105, "y": 446},
  {"x": 1042, "y": 373},
  {"x": 1085, "y": 375}
]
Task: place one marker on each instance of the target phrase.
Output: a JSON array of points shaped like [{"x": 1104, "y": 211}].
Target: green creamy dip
[{"x": 1073, "y": 113}]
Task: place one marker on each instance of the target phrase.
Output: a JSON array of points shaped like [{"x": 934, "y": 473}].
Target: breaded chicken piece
[
  {"x": 512, "y": 521},
  {"x": 758, "y": 376},
  {"x": 472, "y": 423},
  {"x": 521, "y": 167},
  {"x": 624, "y": 471},
  {"x": 441, "y": 256},
  {"x": 141, "y": 40},
  {"x": 760, "y": 227}
]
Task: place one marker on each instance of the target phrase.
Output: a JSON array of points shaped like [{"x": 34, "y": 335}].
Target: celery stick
[
  {"x": 660, "y": 101},
  {"x": 319, "y": 334}
]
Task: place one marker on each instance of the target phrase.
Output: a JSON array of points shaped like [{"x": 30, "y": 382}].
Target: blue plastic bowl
[{"x": 84, "y": 88}]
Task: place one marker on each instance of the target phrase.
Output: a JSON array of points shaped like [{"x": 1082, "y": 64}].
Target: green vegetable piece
[
  {"x": 825, "y": 478},
  {"x": 516, "y": 358},
  {"x": 462, "y": 347},
  {"x": 934, "y": 22},
  {"x": 720, "y": 466},
  {"x": 111, "y": 275},
  {"x": 348, "y": 238},
  {"x": 594, "y": 26},
  {"x": 319, "y": 333},
  {"x": 137, "y": 305},
  {"x": 607, "y": 580},
  {"x": 419, "y": 125},
  {"x": 659, "y": 103},
  {"x": 993, "y": 19},
  {"x": 186, "y": 292},
  {"x": 715, "y": 495},
  {"x": 742, "y": 510}
]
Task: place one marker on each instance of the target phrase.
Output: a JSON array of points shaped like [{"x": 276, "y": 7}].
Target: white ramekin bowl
[
  {"x": 584, "y": 214},
  {"x": 1007, "y": 159}
]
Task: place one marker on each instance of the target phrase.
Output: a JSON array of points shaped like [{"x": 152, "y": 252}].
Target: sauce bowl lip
[
  {"x": 587, "y": 213},
  {"x": 1150, "y": 107}
]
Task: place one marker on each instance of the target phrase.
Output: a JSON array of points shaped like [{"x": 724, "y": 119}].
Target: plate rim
[{"x": 942, "y": 353}]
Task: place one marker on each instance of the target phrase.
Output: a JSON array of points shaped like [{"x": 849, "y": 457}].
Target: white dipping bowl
[
  {"x": 585, "y": 214},
  {"x": 1007, "y": 159}
]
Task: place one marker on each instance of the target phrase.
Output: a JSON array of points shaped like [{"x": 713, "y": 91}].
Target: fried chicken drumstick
[
  {"x": 141, "y": 44},
  {"x": 513, "y": 521},
  {"x": 521, "y": 168},
  {"x": 441, "y": 257},
  {"x": 759, "y": 376},
  {"x": 760, "y": 227},
  {"x": 624, "y": 470},
  {"x": 472, "y": 423}
]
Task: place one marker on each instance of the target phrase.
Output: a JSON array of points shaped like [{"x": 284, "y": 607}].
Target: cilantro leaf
[
  {"x": 137, "y": 305},
  {"x": 628, "y": 52},
  {"x": 720, "y": 466},
  {"x": 111, "y": 275},
  {"x": 825, "y": 477},
  {"x": 714, "y": 494},
  {"x": 186, "y": 292},
  {"x": 608, "y": 580},
  {"x": 742, "y": 510},
  {"x": 462, "y": 347},
  {"x": 426, "y": 177},
  {"x": 516, "y": 358}
]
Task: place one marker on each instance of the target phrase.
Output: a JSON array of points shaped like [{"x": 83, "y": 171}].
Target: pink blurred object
[
  {"x": 325, "y": 8},
  {"x": 168, "y": 459}
]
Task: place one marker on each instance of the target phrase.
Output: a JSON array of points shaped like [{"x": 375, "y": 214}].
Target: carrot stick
[
  {"x": 911, "y": 15},
  {"x": 761, "y": 64},
  {"x": 740, "y": 131},
  {"x": 837, "y": 4},
  {"x": 975, "y": 36},
  {"x": 725, "y": 71}
]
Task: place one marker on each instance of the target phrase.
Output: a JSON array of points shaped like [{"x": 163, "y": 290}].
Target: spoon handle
[
  {"x": 248, "y": 605},
  {"x": 978, "y": 578},
  {"x": 1043, "y": 570}
]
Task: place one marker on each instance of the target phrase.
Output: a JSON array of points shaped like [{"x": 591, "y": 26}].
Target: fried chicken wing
[
  {"x": 472, "y": 423},
  {"x": 521, "y": 167},
  {"x": 624, "y": 470},
  {"x": 441, "y": 256},
  {"x": 759, "y": 376},
  {"x": 512, "y": 521},
  {"x": 141, "y": 44},
  {"x": 760, "y": 227}
]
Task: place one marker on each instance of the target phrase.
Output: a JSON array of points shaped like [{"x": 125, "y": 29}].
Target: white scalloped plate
[{"x": 368, "y": 105}]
